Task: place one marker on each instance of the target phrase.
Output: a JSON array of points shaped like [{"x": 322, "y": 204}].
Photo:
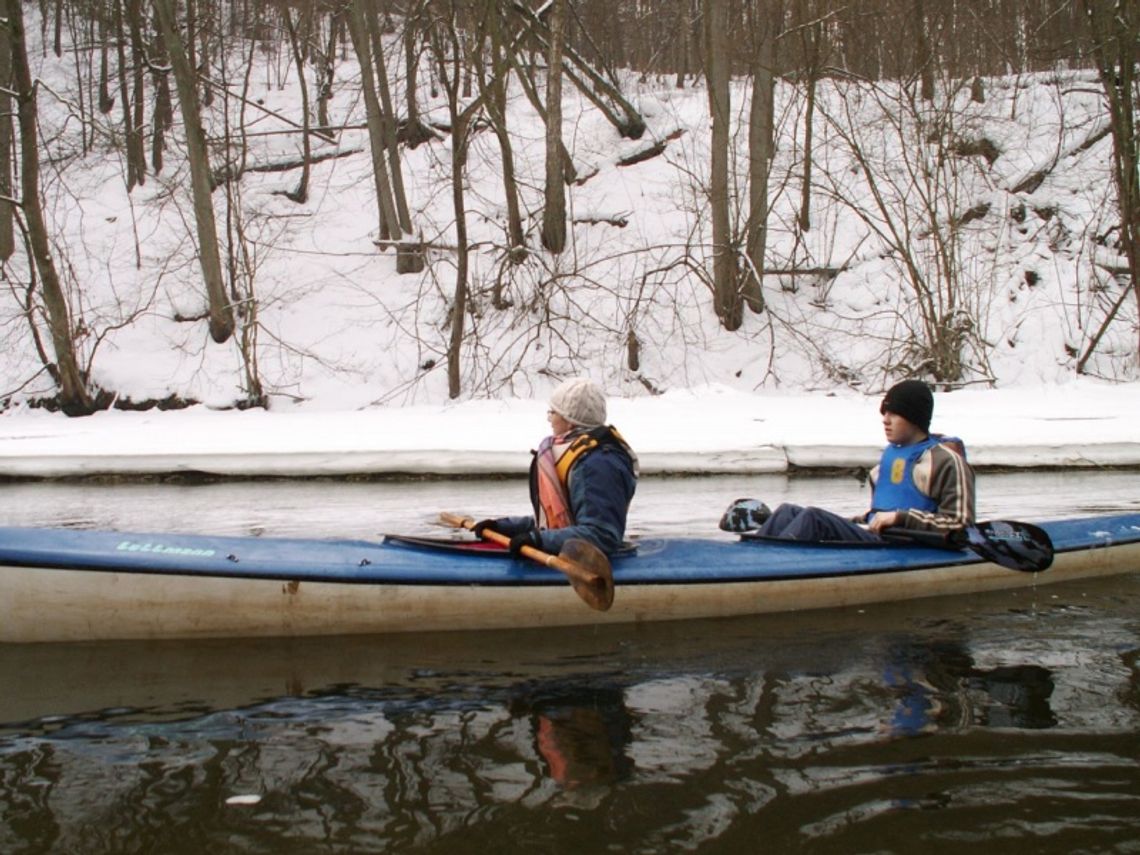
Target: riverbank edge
[
  {"x": 389, "y": 465},
  {"x": 713, "y": 431}
]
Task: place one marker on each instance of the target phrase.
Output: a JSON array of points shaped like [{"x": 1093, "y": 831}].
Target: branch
[
  {"x": 286, "y": 165},
  {"x": 318, "y": 132}
]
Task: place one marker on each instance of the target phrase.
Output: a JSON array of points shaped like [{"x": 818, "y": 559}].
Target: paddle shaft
[
  {"x": 925, "y": 538},
  {"x": 555, "y": 562},
  {"x": 1014, "y": 545}
]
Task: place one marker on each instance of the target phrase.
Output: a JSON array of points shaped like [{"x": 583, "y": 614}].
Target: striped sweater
[{"x": 943, "y": 474}]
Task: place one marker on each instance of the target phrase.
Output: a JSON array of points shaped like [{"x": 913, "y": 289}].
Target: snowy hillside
[{"x": 999, "y": 213}]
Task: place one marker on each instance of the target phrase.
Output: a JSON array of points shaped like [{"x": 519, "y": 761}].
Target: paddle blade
[
  {"x": 596, "y": 585},
  {"x": 1017, "y": 545}
]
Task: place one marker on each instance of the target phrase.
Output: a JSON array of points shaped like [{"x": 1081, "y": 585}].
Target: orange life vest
[{"x": 550, "y": 471}]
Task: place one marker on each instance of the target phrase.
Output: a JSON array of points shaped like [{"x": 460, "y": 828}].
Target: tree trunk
[
  {"x": 804, "y": 216},
  {"x": 74, "y": 397},
  {"x": 324, "y": 66},
  {"x": 761, "y": 150},
  {"x": 925, "y": 51},
  {"x": 106, "y": 99},
  {"x": 133, "y": 167},
  {"x": 496, "y": 101},
  {"x": 447, "y": 57},
  {"x": 459, "y": 304},
  {"x": 388, "y": 121},
  {"x": 7, "y": 225},
  {"x": 163, "y": 102},
  {"x": 726, "y": 299},
  {"x": 569, "y": 173},
  {"x": 415, "y": 131},
  {"x": 57, "y": 32},
  {"x": 630, "y": 124},
  {"x": 554, "y": 209},
  {"x": 682, "y": 58},
  {"x": 221, "y": 316},
  {"x": 198, "y": 51},
  {"x": 358, "y": 31},
  {"x": 1116, "y": 48},
  {"x": 136, "y": 140},
  {"x": 301, "y": 192},
  {"x": 813, "y": 40}
]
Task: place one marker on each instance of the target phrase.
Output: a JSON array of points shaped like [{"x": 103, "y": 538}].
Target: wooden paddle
[{"x": 583, "y": 563}]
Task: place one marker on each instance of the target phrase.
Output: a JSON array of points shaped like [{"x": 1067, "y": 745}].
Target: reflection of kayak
[{"x": 64, "y": 584}]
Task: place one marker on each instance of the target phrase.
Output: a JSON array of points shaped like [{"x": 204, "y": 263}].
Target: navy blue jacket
[{"x": 601, "y": 486}]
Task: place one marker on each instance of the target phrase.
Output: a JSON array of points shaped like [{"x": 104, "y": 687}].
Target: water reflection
[
  {"x": 580, "y": 731},
  {"x": 923, "y": 676},
  {"x": 931, "y": 722}
]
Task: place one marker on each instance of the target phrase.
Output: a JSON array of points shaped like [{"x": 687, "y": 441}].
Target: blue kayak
[{"x": 68, "y": 584}]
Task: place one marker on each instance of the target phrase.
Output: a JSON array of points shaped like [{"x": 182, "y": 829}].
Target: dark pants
[{"x": 796, "y": 523}]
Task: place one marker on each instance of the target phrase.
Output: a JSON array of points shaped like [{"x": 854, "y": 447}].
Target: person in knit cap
[
  {"x": 922, "y": 480},
  {"x": 582, "y": 477}
]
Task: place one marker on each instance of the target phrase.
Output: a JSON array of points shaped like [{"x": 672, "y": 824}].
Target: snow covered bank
[
  {"x": 922, "y": 251},
  {"x": 708, "y": 430}
]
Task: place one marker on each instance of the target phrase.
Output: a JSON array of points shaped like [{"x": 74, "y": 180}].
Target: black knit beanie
[{"x": 912, "y": 400}]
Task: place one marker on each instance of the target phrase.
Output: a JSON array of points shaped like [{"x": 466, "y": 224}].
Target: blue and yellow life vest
[{"x": 895, "y": 489}]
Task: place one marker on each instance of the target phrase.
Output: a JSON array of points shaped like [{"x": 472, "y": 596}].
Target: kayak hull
[{"x": 66, "y": 585}]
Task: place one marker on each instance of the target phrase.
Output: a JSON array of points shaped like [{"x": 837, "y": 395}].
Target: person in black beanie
[
  {"x": 912, "y": 400},
  {"x": 922, "y": 480}
]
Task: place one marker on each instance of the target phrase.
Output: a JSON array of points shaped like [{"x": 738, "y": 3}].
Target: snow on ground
[
  {"x": 713, "y": 429},
  {"x": 351, "y": 355}
]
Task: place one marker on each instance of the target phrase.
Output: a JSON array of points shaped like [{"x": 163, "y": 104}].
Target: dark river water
[{"x": 1009, "y": 721}]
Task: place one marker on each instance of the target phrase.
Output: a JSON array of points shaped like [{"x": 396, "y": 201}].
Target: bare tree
[
  {"x": 726, "y": 297},
  {"x": 389, "y": 221},
  {"x": 221, "y": 316},
  {"x": 902, "y": 147},
  {"x": 106, "y": 99},
  {"x": 136, "y": 139},
  {"x": 447, "y": 51},
  {"x": 554, "y": 209},
  {"x": 414, "y": 132},
  {"x": 1115, "y": 35},
  {"x": 493, "y": 76},
  {"x": 7, "y": 224},
  {"x": 163, "y": 101},
  {"x": 812, "y": 39},
  {"x": 525, "y": 75},
  {"x": 388, "y": 122},
  {"x": 408, "y": 259},
  {"x": 606, "y": 96},
  {"x": 924, "y": 61},
  {"x": 324, "y": 63},
  {"x": 301, "y": 192},
  {"x": 765, "y": 29},
  {"x": 197, "y": 49},
  {"x": 75, "y": 398},
  {"x": 136, "y": 164}
]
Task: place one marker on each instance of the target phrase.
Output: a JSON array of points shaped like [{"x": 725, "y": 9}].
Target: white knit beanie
[{"x": 580, "y": 402}]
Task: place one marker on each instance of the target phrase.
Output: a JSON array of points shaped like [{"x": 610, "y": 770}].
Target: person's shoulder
[
  {"x": 607, "y": 453},
  {"x": 948, "y": 450},
  {"x": 951, "y": 443},
  {"x": 610, "y": 460}
]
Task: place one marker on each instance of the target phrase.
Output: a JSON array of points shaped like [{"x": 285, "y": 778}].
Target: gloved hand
[
  {"x": 482, "y": 526},
  {"x": 530, "y": 537}
]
